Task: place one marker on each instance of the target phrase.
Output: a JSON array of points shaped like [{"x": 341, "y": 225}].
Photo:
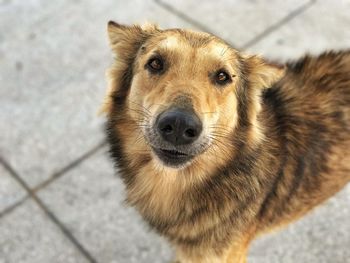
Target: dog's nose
[{"x": 179, "y": 126}]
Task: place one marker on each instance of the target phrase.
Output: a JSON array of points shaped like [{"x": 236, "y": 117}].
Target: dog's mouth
[{"x": 173, "y": 158}]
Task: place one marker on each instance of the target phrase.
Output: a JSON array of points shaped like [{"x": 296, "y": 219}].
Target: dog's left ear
[{"x": 262, "y": 74}]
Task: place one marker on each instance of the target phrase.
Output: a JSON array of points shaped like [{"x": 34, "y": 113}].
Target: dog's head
[{"x": 180, "y": 98}]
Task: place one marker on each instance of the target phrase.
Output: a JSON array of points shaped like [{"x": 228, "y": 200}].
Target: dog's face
[
  {"x": 185, "y": 88},
  {"x": 184, "y": 92}
]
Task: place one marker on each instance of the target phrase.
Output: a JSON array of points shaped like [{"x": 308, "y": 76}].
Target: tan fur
[{"x": 213, "y": 207}]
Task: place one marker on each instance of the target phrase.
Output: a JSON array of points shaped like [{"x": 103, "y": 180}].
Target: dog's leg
[
  {"x": 236, "y": 256},
  {"x": 239, "y": 248},
  {"x": 199, "y": 256},
  {"x": 237, "y": 253},
  {"x": 201, "y": 259}
]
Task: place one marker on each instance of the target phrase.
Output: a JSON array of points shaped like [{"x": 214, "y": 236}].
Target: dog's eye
[
  {"x": 155, "y": 65},
  {"x": 222, "y": 77}
]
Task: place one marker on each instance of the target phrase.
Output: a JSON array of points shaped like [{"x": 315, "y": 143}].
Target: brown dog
[{"x": 216, "y": 147}]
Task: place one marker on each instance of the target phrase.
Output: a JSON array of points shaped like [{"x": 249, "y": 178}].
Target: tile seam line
[
  {"x": 290, "y": 16},
  {"x": 255, "y": 39},
  {"x": 72, "y": 165},
  {"x": 47, "y": 211},
  {"x": 12, "y": 207},
  {"x": 188, "y": 19}
]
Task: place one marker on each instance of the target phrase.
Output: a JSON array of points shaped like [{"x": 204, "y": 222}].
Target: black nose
[{"x": 179, "y": 126}]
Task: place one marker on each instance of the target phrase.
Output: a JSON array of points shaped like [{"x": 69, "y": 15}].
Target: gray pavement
[{"x": 59, "y": 198}]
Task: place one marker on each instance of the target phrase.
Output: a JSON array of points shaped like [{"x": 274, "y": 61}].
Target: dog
[{"x": 217, "y": 147}]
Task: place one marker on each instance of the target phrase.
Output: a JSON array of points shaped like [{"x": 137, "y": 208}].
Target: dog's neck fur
[{"x": 179, "y": 203}]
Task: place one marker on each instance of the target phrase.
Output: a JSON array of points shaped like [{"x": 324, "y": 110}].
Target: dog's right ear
[{"x": 126, "y": 40}]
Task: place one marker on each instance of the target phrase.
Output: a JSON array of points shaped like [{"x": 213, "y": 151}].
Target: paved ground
[{"x": 59, "y": 199}]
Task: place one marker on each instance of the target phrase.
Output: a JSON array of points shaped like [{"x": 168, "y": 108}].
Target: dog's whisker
[
  {"x": 208, "y": 112},
  {"x": 139, "y": 111},
  {"x": 141, "y": 106}
]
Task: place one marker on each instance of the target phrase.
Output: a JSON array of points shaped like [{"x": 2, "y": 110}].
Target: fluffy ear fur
[
  {"x": 125, "y": 42},
  {"x": 263, "y": 74}
]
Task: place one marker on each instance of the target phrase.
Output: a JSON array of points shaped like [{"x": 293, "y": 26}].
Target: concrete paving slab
[
  {"x": 10, "y": 191},
  {"x": 236, "y": 21},
  {"x": 53, "y": 81},
  {"x": 28, "y": 236},
  {"x": 325, "y": 25},
  {"x": 321, "y": 237},
  {"x": 18, "y": 17},
  {"x": 49, "y": 131},
  {"x": 89, "y": 201}
]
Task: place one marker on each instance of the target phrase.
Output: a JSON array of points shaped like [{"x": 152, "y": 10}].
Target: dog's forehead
[
  {"x": 203, "y": 43},
  {"x": 171, "y": 42}
]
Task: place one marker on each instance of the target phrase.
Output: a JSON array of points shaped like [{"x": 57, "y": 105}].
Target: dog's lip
[
  {"x": 172, "y": 157},
  {"x": 171, "y": 153}
]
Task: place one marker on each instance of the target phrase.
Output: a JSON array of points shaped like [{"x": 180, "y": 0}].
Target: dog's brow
[
  {"x": 224, "y": 50},
  {"x": 218, "y": 50},
  {"x": 170, "y": 42}
]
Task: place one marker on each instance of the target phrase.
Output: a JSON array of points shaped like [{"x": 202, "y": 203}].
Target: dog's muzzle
[
  {"x": 178, "y": 126},
  {"x": 179, "y": 129}
]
